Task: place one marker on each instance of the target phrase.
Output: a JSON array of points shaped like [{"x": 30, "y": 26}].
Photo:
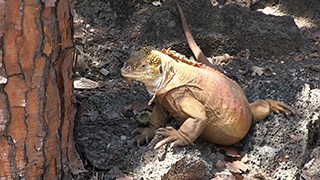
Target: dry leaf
[
  {"x": 156, "y": 3},
  {"x": 267, "y": 72},
  {"x": 283, "y": 158},
  {"x": 314, "y": 35},
  {"x": 230, "y": 151},
  {"x": 84, "y": 83},
  {"x": 136, "y": 107},
  {"x": 310, "y": 163},
  {"x": 94, "y": 114},
  {"x": 224, "y": 177},
  {"x": 134, "y": 35},
  {"x": 294, "y": 137},
  {"x": 127, "y": 108},
  {"x": 315, "y": 67},
  {"x": 113, "y": 115},
  {"x": 220, "y": 165},
  {"x": 297, "y": 58},
  {"x": 237, "y": 167},
  {"x": 314, "y": 55},
  {"x": 260, "y": 71},
  {"x": 315, "y": 48},
  {"x": 306, "y": 175},
  {"x": 245, "y": 158},
  {"x": 115, "y": 170},
  {"x": 222, "y": 60},
  {"x": 256, "y": 70},
  {"x": 244, "y": 53},
  {"x": 139, "y": 106},
  {"x": 231, "y": 170}
]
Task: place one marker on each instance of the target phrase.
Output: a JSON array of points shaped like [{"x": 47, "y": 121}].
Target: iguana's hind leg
[{"x": 261, "y": 108}]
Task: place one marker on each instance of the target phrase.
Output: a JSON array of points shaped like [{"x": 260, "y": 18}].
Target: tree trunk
[{"x": 36, "y": 100}]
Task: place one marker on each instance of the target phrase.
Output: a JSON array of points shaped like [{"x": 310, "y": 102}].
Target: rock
[
  {"x": 279, "y": 147},
  {"x": 192, "y": 162},
  {"x": 233, "y": 28}
]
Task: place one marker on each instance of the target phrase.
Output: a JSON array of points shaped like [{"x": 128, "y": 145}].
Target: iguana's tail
[{"x": 192, "y": 43}]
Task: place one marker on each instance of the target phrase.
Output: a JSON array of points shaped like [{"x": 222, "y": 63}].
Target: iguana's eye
[{"x": 160, "y": 69}]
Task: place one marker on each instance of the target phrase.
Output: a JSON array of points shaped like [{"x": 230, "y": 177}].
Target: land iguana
[{"x": 203, "y": 101}]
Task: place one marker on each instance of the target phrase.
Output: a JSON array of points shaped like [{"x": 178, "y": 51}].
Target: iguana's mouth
[
  {"x": 126, "y": 71},
  {"x": 129, "y": 73}
]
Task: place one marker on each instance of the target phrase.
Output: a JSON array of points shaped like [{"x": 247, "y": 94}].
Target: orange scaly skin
[
  {"x": 203, "y": 101},
  {"x": 227, "y": 113}
]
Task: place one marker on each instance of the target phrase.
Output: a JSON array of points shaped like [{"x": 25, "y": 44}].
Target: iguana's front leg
[
  {"x": 191, "y": 128},
  {"x": 158, "y": 119}
]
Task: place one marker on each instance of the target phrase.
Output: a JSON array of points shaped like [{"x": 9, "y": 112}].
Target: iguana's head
[
  {"x": 142, "y": 66},
  {"x": 149, "y": 66}
]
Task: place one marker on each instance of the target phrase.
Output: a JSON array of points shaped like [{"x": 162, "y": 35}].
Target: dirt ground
[{"x": 276, "y": 45}]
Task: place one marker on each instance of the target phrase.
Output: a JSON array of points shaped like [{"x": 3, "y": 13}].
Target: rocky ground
[{"x": 276, "y": 45}]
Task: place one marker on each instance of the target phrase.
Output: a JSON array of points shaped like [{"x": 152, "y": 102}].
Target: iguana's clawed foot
[
  {"x": 144, "y": 137},
  {"x": 277, "y": 107},
  {"x": 171, "y": 135}
]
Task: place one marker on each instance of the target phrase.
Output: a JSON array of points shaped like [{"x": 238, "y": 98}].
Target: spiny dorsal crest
[
  {"x": 179, "y": 57},
  {"x": 152, "y": 58}
]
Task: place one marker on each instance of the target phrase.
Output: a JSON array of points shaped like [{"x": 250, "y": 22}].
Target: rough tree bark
[{"x": 36, "y": 73}]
